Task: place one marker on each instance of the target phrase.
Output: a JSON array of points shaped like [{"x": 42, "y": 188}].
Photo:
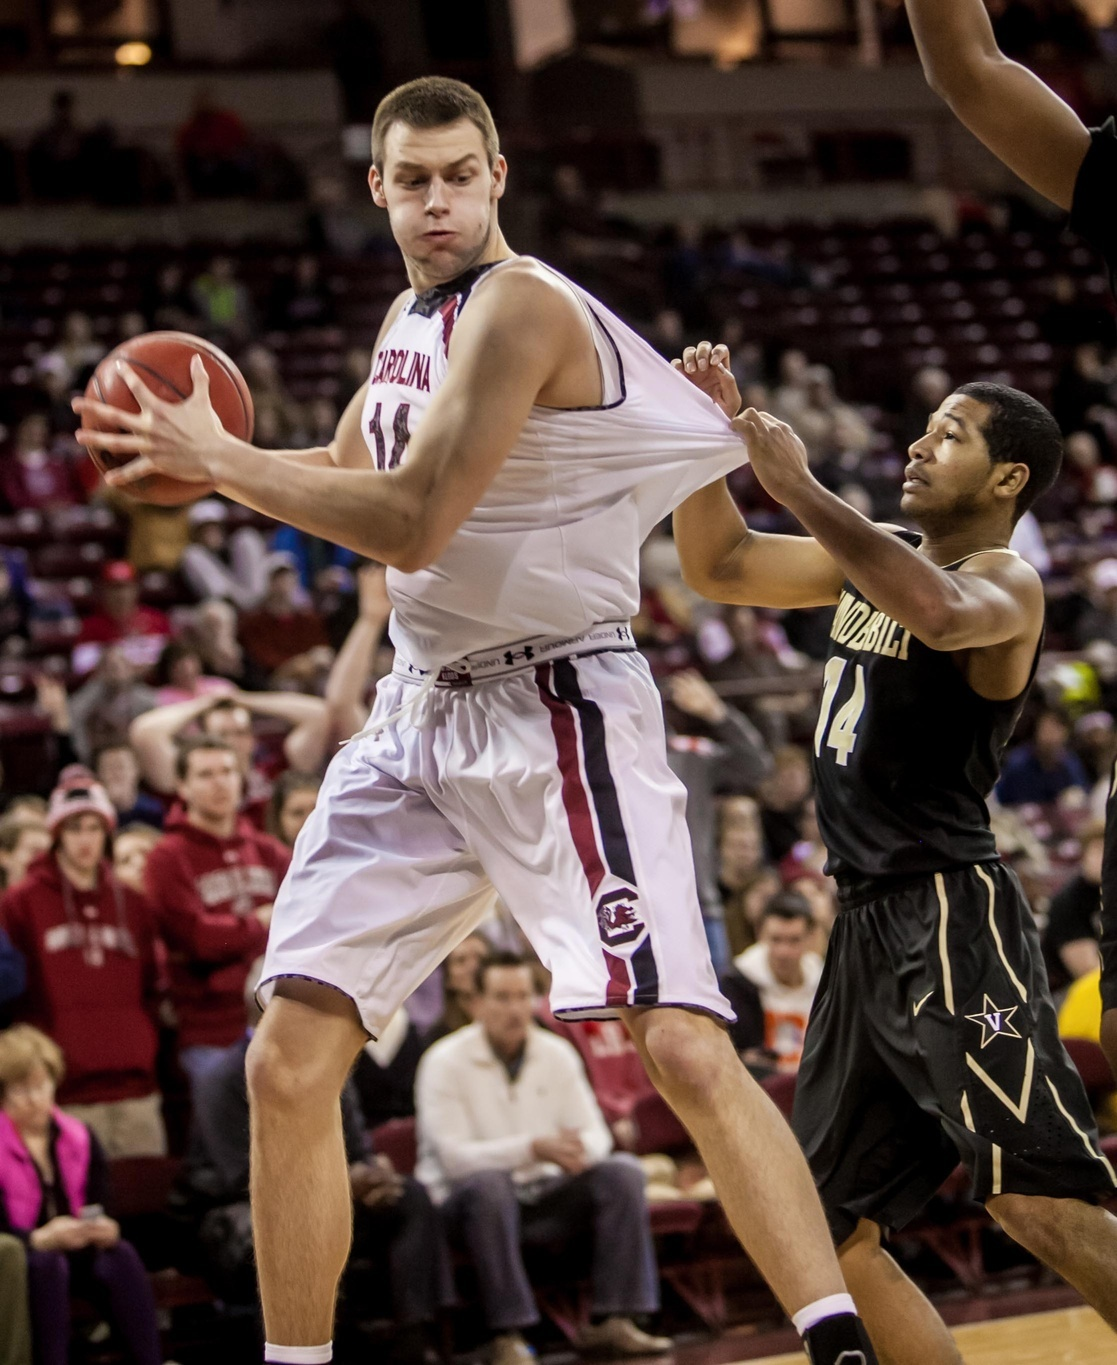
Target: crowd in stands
[
  {"x": 173, "y": 682},
  {"x": 215, "y": 156}
]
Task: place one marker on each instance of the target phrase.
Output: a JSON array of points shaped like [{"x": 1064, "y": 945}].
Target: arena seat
[
  {"x": 1093, "y": 1066},
  {"x": 780, "y": 1089},
  {"x": 657, "y": 1128},
  {"x": 398, "y": 1140},
  {"x": 955, "y": 1235},
  {"x": 141, "y": 1191}
]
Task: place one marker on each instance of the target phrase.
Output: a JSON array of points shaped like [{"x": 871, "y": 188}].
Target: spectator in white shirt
[{"x": 512, "y": 1143}]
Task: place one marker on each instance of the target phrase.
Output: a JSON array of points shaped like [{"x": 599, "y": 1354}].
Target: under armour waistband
[{"x": 606, "y": 637}]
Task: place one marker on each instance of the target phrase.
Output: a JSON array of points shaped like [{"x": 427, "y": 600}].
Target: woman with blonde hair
[{"x": 53, "y": 1187}]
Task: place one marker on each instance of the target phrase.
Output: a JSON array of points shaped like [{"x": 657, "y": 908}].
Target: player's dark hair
[
  {"x": 788, "y": 905},
  {"x": 498, "y": 959},
  {"x": 1020, "y": 430},
  {"x": 197, "y": 744},
  {"x": 433, "y": 102}
]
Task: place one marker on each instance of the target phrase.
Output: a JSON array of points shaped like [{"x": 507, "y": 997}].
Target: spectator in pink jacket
[{"x": 53, "y": 1187}]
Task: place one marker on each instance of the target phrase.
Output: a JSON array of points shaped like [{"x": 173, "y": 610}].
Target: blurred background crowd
[{"x": 173, "y": 681}]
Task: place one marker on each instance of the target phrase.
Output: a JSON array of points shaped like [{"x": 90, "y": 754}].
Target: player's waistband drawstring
[{"x": 416, "y": 708}]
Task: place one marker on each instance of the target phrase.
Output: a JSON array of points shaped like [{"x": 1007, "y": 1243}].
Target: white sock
[
  {"x": 814, "y": 1313},
  {"x": 298, "y": 1355}
]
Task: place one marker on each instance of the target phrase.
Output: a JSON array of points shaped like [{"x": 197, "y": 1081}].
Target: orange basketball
[{"x": 162, "y": 361}]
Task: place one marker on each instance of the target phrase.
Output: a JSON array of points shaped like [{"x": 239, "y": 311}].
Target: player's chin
[{"x": 449, "y": 252}]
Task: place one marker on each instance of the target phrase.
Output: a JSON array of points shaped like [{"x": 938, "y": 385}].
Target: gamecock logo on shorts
[{"x": 618, "y": 919}]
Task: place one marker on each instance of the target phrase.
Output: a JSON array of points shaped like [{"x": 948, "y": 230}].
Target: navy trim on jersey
[
  {"x": 426, "y": 304},
  {"x": 601, "y": 407}
]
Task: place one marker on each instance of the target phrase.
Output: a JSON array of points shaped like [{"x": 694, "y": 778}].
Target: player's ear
[
  {"x": 500, "y": 177},
  {"x": 376, "y": 185},
  {"x": 1012, "y": 481}
]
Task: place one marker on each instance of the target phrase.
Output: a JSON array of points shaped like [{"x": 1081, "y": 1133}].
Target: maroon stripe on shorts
[{"x": 574, "y": 796}]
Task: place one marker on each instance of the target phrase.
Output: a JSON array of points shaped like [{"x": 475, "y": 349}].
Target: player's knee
[
  {"x": 284, "y": 1079},
  {"x": 688, "y": 1051},
  {"x": 1033, "y": 1221}
]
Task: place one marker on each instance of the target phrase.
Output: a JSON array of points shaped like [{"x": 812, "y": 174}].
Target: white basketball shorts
[{"x": 548, "y": 787}]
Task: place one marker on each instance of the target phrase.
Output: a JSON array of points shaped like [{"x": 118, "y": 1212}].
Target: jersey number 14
[{"x": 843, "y": 732}]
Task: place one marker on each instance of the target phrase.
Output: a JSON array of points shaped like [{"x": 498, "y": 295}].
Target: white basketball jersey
[{"x": 553, "y": 545}]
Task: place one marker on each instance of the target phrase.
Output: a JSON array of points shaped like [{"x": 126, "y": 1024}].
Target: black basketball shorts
[{"x": 933, "y": 1036}]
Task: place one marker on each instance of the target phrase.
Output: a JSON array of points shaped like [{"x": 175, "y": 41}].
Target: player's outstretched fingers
[
  {"x": 115, "y": 442},
  {"x": 105, "y": 412},
  {"x": 132, "y": 472},
  {"x": 142, "y": 394},
  {"x": 200, "y": 375}
]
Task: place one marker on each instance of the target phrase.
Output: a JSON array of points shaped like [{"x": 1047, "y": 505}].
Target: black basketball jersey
[
  {"x": 905, "y": 751},
  {"x": 1094, "y": 211}
]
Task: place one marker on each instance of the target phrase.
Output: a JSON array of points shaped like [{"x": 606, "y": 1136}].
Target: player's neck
[
  {"x": 944, "y": 545},
  {"x": 495, "y": 249}
]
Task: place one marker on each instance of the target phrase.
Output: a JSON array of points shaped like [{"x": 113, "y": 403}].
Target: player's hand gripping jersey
[{"x": 552, "y": 547}]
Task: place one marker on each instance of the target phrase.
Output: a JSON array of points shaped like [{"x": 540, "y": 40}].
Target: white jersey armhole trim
[{"x": 610, "y": 366}]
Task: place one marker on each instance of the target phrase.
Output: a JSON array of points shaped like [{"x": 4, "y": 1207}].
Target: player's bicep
[
  {"x": 1023, "y": 123},
  {"x": 782, "y": 572},
  {"x": 990, "y": 605}
]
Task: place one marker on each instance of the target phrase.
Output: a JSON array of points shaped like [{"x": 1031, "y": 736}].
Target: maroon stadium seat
[
  {"x": 657, "y": 1128},
  {"x": 398, "y": 1141}
]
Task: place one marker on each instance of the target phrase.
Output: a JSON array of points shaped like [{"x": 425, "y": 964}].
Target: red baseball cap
[{"x": 118, "y": 571}]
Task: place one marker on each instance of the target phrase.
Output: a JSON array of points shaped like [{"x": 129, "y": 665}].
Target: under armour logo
[
  {"x": 995, "y": 1022},
  {"x": 511, "y": 655}
]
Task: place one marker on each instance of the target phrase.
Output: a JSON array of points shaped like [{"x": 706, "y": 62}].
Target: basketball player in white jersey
[{"x": 513, "y": 448}]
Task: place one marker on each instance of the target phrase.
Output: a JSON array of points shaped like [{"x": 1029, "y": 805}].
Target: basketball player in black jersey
[
  {"x": 1044, "y": 141},
  {"x": 933, "y": 1034}
]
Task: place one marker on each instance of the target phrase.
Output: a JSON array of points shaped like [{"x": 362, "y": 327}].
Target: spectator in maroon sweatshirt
[
  {"x": 212, "y": 880},
  {"x": 92, "y": 980}
]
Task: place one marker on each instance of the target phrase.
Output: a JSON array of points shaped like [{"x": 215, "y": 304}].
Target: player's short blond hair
[
  {"x": 22, "y": 1048},
  {"x": 433, "y": 102}
]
